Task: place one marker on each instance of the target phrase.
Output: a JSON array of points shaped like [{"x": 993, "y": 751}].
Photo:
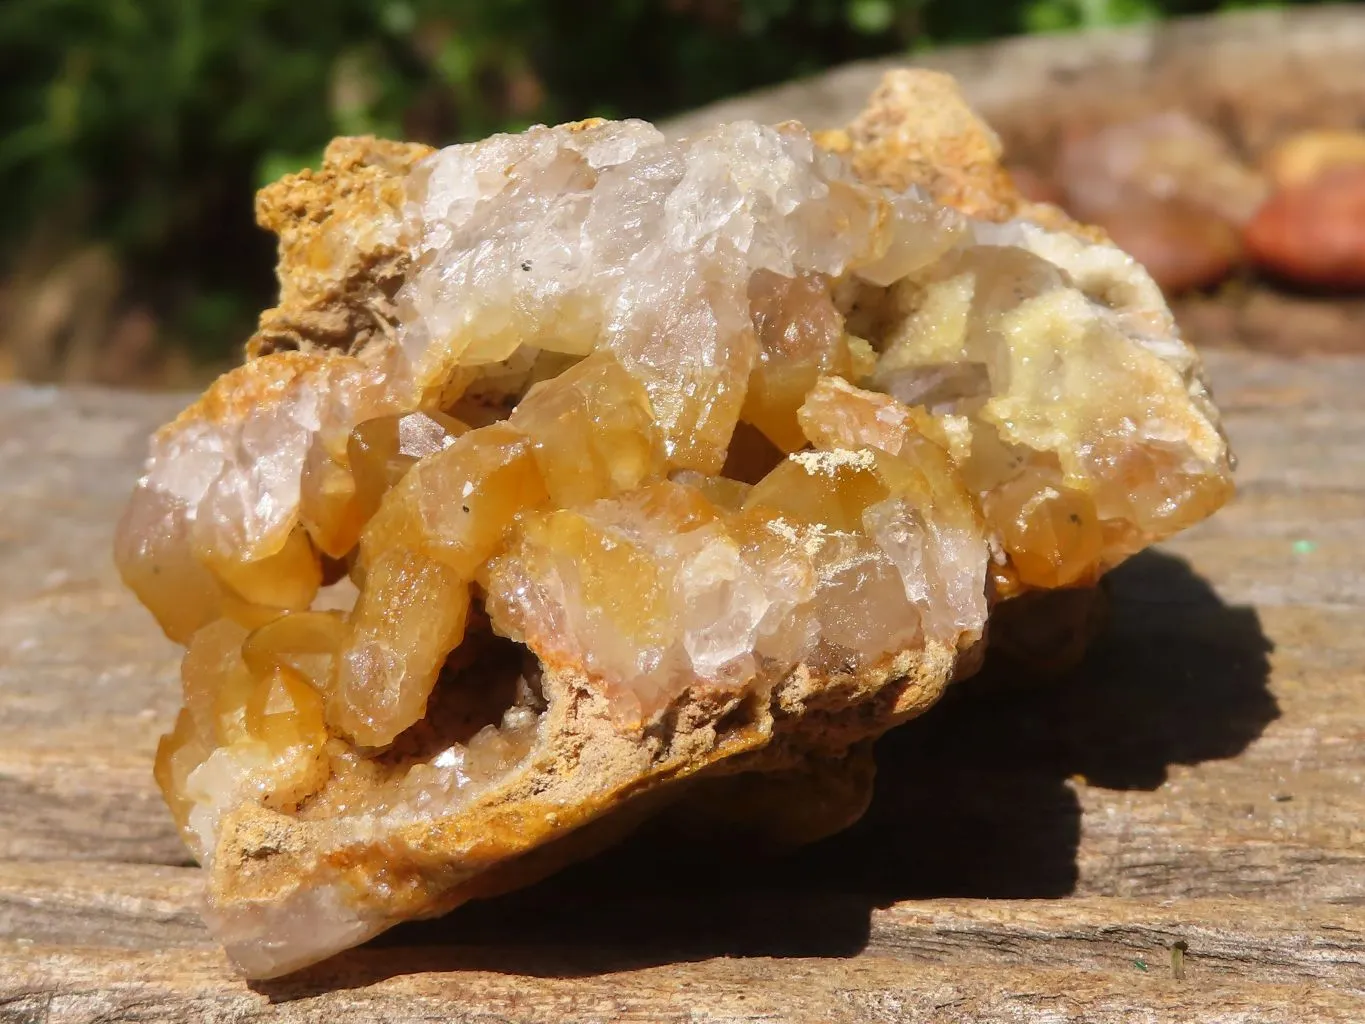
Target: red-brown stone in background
[{"x": 1314, "y": 233}]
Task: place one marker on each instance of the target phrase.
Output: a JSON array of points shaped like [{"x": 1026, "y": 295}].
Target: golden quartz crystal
[{"x": 580, "y": 464}]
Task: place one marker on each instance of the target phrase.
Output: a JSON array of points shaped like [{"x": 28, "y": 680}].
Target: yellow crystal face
[
  {"x": 305, "y": 642},
  {"x": 458, "y": 506},
  {"x": 801, "y": 334},
  {"x": 592, "y": 432},
  {"x": 381, "y": 450},
  {"x": 410, "y": 616},
  {"x": 250, "y": 723},
  {"x": 664, "y": 457},
  {"x": 1084, "y": 431}
]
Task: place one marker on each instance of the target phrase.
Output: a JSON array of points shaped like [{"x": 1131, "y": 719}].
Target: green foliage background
[{"x": 146, "y": 124}]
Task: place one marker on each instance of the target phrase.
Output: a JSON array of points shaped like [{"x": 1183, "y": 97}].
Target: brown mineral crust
[
  {"x": 568, "y": 801},
  {"x": 341, "y": 254},
  {"x": 260, "y": 381},
  {"x": 918, "y": 129},
  {"x": 1042, "y": 634}
]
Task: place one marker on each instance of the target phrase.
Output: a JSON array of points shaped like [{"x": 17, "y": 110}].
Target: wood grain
[{"x": 64, "y": 986}]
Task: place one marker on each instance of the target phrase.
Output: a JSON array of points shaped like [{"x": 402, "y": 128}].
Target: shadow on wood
[{"x": 974, "y": 799}]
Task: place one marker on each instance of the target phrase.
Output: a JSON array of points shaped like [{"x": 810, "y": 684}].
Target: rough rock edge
[
  {"x": 550, "y": 810},
  {"x": 360, "y": 185},
  {"x": 918, "y": 129}
]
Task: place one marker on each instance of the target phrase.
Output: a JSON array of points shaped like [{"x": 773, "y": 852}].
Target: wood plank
[
  {"x": 1073, "y": 957},
  {"x": 1197, "y": 779},
  {"x": 1129, "y": 724},
  {"x": 1152, "y": 825},
  {"x": 79, "y": 721},
  {"x": 64, "y": 986},
  {"x": 80, "y": 903},
  {"x": 152, "y": 908},
  {"x": 72, "y": 794}
]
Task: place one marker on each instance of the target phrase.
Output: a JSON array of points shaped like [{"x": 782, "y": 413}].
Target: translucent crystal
[
  {"x": 592, "y": 432},
  {"x": 603, "y": 235},
  {"x": 410, "y": 616},
  {"x": 381, "y": 450},
  {"x": 459, "y": 505}
]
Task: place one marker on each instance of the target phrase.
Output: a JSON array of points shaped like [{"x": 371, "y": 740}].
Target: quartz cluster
[{"x": 581, "y": 464}]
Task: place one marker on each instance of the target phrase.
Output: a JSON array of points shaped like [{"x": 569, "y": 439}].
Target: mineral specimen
[{"x": 580, "y": 467}]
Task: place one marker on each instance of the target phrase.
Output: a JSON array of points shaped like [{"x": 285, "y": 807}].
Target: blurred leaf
[
  {"x": 456, "y": 62},
  {"x": 1057, "y": 15},
  {"x": 208, "y": 314},
  {"x": 398, "y": 18},
  {"x": 871, "y": 16}
]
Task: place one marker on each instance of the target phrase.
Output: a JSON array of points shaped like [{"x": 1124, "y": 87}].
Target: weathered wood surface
[{"x": 1197, "y": 780}]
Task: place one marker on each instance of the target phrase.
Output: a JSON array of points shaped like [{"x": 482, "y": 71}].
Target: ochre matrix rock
[{"x": 580, "y": 467}]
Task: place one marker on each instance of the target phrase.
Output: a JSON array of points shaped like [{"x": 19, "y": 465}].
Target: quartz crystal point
[{"x": 579, "y": 468}]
